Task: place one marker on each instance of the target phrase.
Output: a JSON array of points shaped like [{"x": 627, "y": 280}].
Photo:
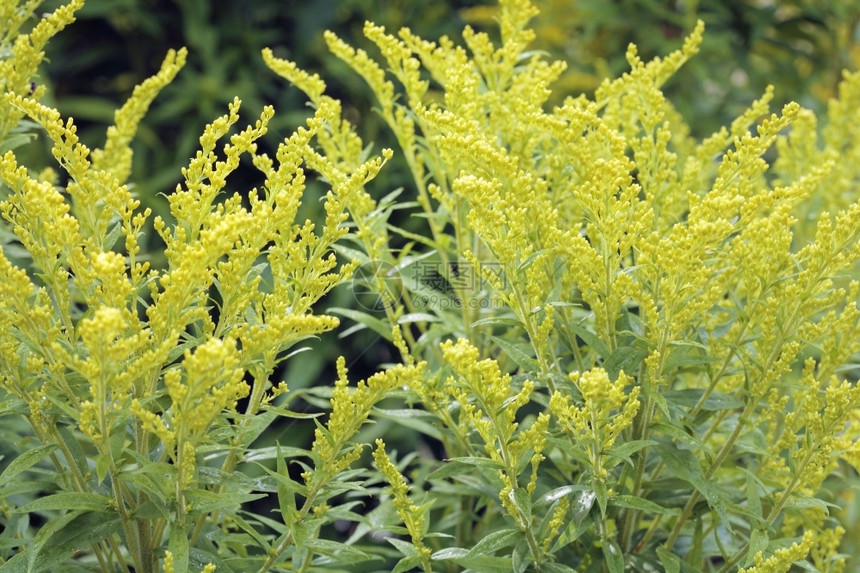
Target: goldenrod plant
[{"x": 620, "y": 347}]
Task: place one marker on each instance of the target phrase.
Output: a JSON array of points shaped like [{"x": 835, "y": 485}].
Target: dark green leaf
[
  {"x": 590, "y": 339},
  {"x": 74, "y": 447},
  {"x": 695, "y": 556},
  {"x": 626, "y": 358},
  {"x": 684, "y": 465},
  {"x": 44, "y": 534},
  {"x": 83, "y": 531}
]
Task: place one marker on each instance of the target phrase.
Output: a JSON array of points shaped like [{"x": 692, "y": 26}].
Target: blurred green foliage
[{"x": 801, "y": 45}]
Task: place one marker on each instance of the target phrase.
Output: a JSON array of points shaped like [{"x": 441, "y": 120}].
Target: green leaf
[
  {"x": 523, "y": 360},
  {"x": 623, "y": 451},
  {"x": 714, "y": 402},
  {"x": 420, "y": 420},
  {"x": 381, "y": 328},
  {"x": 204, "y": 501},
  {"x": 556, "y": 568},
  {"x": 25, "y": 461},
  {"x": 67, "y": 501},
  {"x": 83, "y": 531},
  {"x": 178, "y": 546},
  {"x": 336, "y": 549},
  {"x": 590, "y": 339},
  {"x": 626, "y": 358},
  {"x": 613, "y": 556},
  {"x": 557, "y": 493},
  {"x": 633, "y": 502},
  {"x": 670, "y": 561},
  {"x": 405, "y": 547},
  {"x": 454, "y": 466},
  {"x": 486, "y": 563},
  {"x": 417, "y": 317},
  {"x": 14, "y": 141},
  {"x": 150, "y": 510},
  {"x": 449, "y": 553},
  {"x": 582, "y": 505},
  {"x": 497, "y": 321},
  {"x": 695, "y": 555},
  {"x": 407, "y": 564},
  {"x": 45, "y": 533},
  {"x": 286, "y": 491},
  {"x": 683, "y": 464},
  {"x": 495, "y": 541},
  {"x": 602, "y": 495},
  {"x": 74, "y": 446}
]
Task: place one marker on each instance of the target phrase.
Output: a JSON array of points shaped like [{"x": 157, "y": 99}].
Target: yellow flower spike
[
  {"x": 437, "y": 58},
  {"x": 400, "y": 61},
  {"x": 350, "y": 411},
  {"x": 26, "y": 53},
  {"x": 115, "y": 158},
  {"x": 366, "y": 67},
  {"x": 411, "y": 515},
  {"x": 310, "y": 84},
  {"x": 212, "y": 382}
]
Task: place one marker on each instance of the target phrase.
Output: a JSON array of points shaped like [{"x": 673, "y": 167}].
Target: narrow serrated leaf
[
  {"x": 67, "y": 501},
  {"x": 25, "y": 461}
]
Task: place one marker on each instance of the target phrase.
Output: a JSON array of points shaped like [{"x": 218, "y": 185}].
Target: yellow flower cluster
[
  {"x": 782, "y": 560},
  {"x": 350, "y": 410},
  {"x": 489, "y": 404},
  {"x": 605, "y": 412}
]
